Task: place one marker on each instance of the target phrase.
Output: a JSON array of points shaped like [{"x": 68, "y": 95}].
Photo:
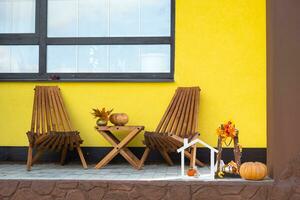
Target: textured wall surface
[
  {"x": 116, "y": 190},
  {"x": 220, "y": 46},
  {"x": 283, "y": 83},
  {"x": 287, "y": 187}
]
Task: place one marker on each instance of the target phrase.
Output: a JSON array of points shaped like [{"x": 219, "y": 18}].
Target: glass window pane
[
  {"x": 72, "y": 58},
  {"x": 124, "y": 58},
  {"x": 155, "y": 58},
  {"x": 108, "y": 58},
  {"x": 124, "y": 18},
  {"x": 62, "y": 18},
  {"x": 103, "y": 18},
  {"x": 19, "y": 59},
  {"x": 77, "y": 18},
  {"x": 92, "y": 58},
  {"x": 17, "y": 16},
  {"x": 93, "y": 18},
  {"x": 61, "y": 58},
  {"x": 155, "y": 17}
]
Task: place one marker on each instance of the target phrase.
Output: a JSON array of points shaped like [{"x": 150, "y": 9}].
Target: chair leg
[
  {"x": 81, "y": 157},
  {"x": 144, "y": 157},
  {"x": 189, "y": 156},
  {"x": 193, "y": 158},
  {"x": 166, "y": 156},
  {"x": 63, "y": 156},
  {"x": 37, "y": 156},
  {"x": 29, "y": 158}
]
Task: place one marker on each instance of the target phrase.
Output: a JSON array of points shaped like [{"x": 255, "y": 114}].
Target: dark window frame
[{"x": 40, "y": 38}]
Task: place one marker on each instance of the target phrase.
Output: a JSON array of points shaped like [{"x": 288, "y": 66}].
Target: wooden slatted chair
[
  {"x": 50, "y": 126},
  {"x": 179, "y": 121}
]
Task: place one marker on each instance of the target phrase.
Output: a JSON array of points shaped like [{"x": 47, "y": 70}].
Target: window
[{"x": 87, "y": 40}]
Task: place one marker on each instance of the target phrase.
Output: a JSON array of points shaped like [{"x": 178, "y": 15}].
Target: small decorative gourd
[
  {"x": 118, "y": 119},
  {"x": 192, "y": 172},
  {"x": 253, "y": 171}
]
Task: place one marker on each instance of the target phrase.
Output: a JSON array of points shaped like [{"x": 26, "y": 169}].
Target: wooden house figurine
[{"x": 192, "y": 144}]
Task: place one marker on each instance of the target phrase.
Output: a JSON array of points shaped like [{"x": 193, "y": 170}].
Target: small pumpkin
[
  {"x": 192, "y": 172},
  {"x": 253, "y": 171},
  {"x": 118, "y": 119}
]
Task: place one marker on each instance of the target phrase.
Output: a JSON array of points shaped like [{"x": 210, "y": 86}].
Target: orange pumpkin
[
  {"x": 253, "y": 171},
  {"x": 118, "y": 119}
]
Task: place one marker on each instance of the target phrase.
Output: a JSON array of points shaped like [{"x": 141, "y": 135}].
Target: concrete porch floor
[{"x": 13, "y": 171}]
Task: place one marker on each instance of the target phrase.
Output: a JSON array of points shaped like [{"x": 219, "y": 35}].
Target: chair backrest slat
[
  {"x": 191, "y": 114},
  {"x": 49, "y": 113},
  {"x": 38, "y": 117},
  {"x": 43, "y": 111},
  {"x": 182, "y": 114},
  {"x": 56, "y": 111},
  {"x": 181, "y": 117},
  {"x": 169, "y": 109},
  {"x": 34, "y": 112},
  {"x": 196, "y": 110},
  {"x": 62, "y": 112},
  {"x": 185, "y": 118},
  {"x": 177, "y": 115},
  {"x": 170, "y": 120}
]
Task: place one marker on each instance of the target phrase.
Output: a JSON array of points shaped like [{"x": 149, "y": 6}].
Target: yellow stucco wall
[{"x": 220, "y": 46}]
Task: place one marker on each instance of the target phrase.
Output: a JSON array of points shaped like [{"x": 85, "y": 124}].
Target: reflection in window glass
[
  {"x": 124, "y": 58},
  {"x": 19, "y": 59},
  {"x": 17, "y": 16},
  {"x": 92, "y": 58},
  {"x": 155, "y": 58},
  {"x": 108, "y": 58},
  {"x": 108, "y": 18}
]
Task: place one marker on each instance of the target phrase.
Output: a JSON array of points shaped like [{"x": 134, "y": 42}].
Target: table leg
[
  {"x": 107, "y": 158},
  {"x": 119, "y": 147}
]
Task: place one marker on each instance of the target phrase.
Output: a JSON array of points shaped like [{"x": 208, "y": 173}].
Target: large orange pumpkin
[{"x": 253, "y": 170}]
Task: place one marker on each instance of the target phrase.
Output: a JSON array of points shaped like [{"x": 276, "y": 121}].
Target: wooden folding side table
[{"x": 119, "y": 146}]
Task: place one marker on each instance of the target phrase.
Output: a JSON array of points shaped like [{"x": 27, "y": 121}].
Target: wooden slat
[
  {"x": 196, "y": 112},
  {"x": 185, "y": 116},
  {"x": 41, "y": 139},
  {"x": 48, "y": 112},
  {"x": 43, "y": 110},
  {"x": 71, "y": 138},
  {"x": 173, "y": 122},
  {"x": 52, "y": 141},
  {"x": 56, "y": 112},
  {"x": 52, "y": 112},
  {"x": 38, "y": 110},
  {"x": 158, "y": 129},
  {"x": 189, "y": 130},
  {"x": 178, "y": 114},
  {"x": 61, "y": 142},
  {"x": 33, "y": 119},
  {"x": 64, "y": 111},
  {"x": 56, "y": 143},
  {"x": 61, "y": 113},
  {"x": 181, "y": 114}
]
